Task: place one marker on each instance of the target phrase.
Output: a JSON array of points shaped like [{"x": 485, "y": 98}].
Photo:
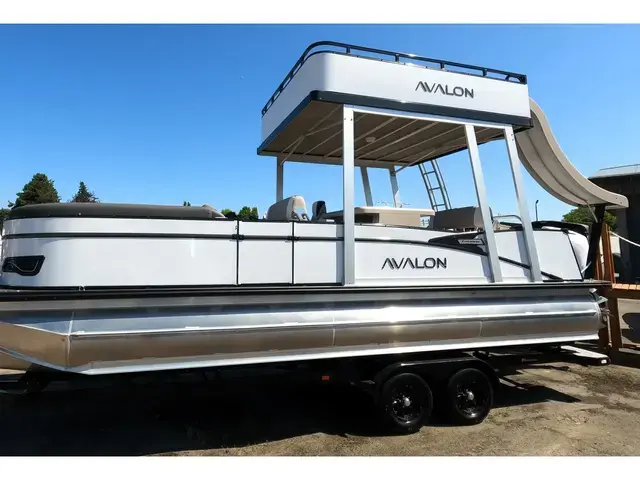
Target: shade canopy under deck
[{"x": 314, "y": 135}]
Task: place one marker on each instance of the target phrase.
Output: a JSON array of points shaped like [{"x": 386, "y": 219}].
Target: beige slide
[{"x": 541, "y": 155}]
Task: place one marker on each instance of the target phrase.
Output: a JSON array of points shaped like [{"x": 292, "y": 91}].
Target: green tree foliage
[
  {"x": 40, "y": 189},
  {"x": 248, "y": 213},
  {"x": 4, "y": 213},
  {"x": 83, "y": 195},
  {"x": 584, "y": 216},
  {"x": 245, "y": 213}
]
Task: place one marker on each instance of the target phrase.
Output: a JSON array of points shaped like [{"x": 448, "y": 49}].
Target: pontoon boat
[{"x": 107, "y": 288}]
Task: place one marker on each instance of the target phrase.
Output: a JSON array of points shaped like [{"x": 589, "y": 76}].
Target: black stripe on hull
[{"x": 149, "y": 296}]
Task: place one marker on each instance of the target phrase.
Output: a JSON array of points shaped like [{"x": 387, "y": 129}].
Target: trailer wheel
[
  {"x": 406, "y": 402},
  {"x": 469, "y": 396}
]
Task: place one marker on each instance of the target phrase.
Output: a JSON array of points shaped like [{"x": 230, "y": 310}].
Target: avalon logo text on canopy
[{"x": 445, "y": 89}]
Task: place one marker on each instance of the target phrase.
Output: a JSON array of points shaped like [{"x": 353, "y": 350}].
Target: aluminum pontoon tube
[{"x": 90, "y": 340}]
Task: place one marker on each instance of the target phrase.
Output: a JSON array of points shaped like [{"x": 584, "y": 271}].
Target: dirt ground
[
  {"x": 630, "y": 320},
  {"x": 556, "y": 409}
]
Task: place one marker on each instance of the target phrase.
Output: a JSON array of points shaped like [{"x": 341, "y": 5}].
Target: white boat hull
[{"x": 127, "y": 252}]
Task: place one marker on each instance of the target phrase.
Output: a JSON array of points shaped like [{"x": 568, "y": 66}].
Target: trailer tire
[
  {"x": 405, "y": 403},
  {"x": 469, "y": 396}
]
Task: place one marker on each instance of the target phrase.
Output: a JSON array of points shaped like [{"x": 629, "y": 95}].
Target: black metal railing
[{"x": 347, "y": 49}]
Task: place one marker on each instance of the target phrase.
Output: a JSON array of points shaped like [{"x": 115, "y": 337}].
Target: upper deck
[{"x": 303, "y": 118}]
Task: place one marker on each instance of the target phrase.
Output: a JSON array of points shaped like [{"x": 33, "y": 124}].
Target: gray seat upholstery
[
  {"x": 463, "y": 218},
  {"x": 292, "y": 209},
  {"x": 318, "y": 211},
  {"x": 113, "y": 210},
  {"x": 214, "y": 213}
]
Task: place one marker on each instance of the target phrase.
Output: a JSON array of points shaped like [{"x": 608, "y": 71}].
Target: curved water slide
[{"x": 543, "y": 158}]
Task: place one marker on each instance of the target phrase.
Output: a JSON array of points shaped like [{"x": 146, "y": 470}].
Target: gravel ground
[{"x": 556, "y": 409}]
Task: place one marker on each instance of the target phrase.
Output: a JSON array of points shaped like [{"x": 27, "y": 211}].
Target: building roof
[{"x": 623, "y": 170}]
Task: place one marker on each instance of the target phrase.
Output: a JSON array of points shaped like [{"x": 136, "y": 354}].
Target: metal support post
[
  {"x": 348, "y": 213},
  {"x": 394, "y": 187},
  {"x": 279, "y": 180},
  {"x": 481, "y": 192},
  {"x": 367, "y": 186},
  {"x": 527, "y": 229}
]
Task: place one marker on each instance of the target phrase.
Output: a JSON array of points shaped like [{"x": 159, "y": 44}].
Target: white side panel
[
  {"x": 114, "y": 261},
  {"x": 395, "y": 81},
  {"x": 118, "y": 225},
  {"x": 265, "y": 261},
  {"x": 555, "y": 252},
  {"x": 556, "y": 255},
  {"x": 81, "y": 262},
  {"x": 317, "y": 255},
  {"x": 408, "y": 234},
  {"x": 401, "y": 264}
]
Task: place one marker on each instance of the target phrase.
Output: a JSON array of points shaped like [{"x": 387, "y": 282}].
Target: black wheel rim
[
  {"x": 407, "y": 405},
  {"x": 472, "y": 396}
]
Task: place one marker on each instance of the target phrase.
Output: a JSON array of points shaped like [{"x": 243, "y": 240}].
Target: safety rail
[{"x": 397, "y": 56}]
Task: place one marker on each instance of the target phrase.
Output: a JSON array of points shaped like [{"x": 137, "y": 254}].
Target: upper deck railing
[{"x": 361, "y": 52}]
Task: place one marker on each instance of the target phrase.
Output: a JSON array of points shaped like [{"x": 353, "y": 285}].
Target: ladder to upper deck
[{"x": 434, "y": 183}]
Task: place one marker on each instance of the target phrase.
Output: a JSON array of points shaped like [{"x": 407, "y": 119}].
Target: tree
[
  {"x": 39, "y": 189},
  {"x": 584, "y": 216},
  {"x": 248, "y": 213},
  {"x": 83, "y": 195},
  {"x": 4, "y": 213}
]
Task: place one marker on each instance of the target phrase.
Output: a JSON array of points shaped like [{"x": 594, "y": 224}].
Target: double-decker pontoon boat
[{"x": 107, "y": 288}]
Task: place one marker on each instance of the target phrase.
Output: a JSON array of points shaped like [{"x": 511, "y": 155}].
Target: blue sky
[{"x": 162, "y": 114}]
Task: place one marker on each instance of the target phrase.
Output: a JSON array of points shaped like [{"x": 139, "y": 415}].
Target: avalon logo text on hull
[
  {"x": 445, "y": 89},
  {"x": 414, "y": 263}
]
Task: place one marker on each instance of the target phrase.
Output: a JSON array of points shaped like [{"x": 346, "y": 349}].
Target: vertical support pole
[
  {"x": 279, "y": 180},
  {"x": 609, "y": 270},
  {"x": 594, "y": 242},
  {"x": 609, "y": 276},
  {"x": 481, "y": 192},
  {"x": 348, "y": 212},
  {"x": 394, "y": 187},
  {"x": 367, "y": 186},
  {"x": 527, "y": 228}
]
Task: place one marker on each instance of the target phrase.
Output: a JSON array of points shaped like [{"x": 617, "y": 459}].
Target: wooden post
[
  {"x": 609, "y": 271},
  {"x": 615, "y": 331},
  {"x": 598, "y": 259},
  {"x": 604, "y": 336}
]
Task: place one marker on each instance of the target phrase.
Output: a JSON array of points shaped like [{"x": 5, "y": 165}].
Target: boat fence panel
[
  {"x": 318, "y": 253},
  {"x": 265, "y": 252},
  {"x": 82, "y": 252}
]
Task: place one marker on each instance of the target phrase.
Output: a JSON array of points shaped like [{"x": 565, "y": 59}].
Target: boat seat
[
  {"x": 318, "y": 211},
  {"x": 463, "y": 218},
  {"x": 214, "y": 213},
  {"x": 292, "y": 209},
  {"x": 114, "y": 210}
]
